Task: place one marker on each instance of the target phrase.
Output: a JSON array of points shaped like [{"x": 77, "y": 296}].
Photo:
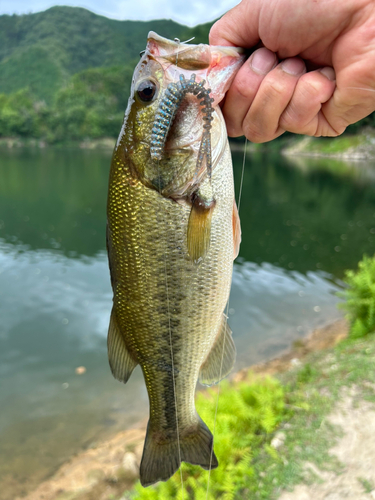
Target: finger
[
  {"x": 244, "y": 88},
  {"x": 261, "y": 123},
  {"x": 303, "y": 114},
  {"x": 238, "y": 27},
  {"x": 350, "y": 103},
  {"x": 354, "y": 62}
]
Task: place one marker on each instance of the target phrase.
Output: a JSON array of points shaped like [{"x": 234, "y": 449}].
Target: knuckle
[
  {"x": 213, "y": 33},
  {"x": 310, "y": 88},
  {"x": 275, "y": 90},
  {"x": 233, "y": 125},
  {"x": 292, "y": 121},
  {"x": 242, "y": 87},
  {"x": 255, "y": 134},
  {"x": 234, "y": 131}
]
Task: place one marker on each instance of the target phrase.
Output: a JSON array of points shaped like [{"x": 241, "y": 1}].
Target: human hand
[{"x": 335, "y": 39}]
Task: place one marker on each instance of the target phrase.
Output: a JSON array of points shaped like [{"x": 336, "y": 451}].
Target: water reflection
[
  {"x": 54, "y": 199},
  {"x": 271, "y": 307},
  {"x": 305, "y": 219},
  {"x": 300, "y": 230}
]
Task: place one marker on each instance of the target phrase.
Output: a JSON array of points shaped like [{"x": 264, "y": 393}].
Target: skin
[{"x": 313, "y": 73}]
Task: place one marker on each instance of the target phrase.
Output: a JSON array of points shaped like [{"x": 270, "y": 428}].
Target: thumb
[{"x": 239, "y": 27}]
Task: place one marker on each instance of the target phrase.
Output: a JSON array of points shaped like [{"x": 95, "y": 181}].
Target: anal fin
[
  {"x": 221, "y": 358},
  {"x": 121, "y": 362}
]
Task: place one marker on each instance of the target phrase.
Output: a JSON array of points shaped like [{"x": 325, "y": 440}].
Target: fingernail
[
  {"x": 329, "y": 73},
  {"x": 293, "y": 66},
  {"x": 262, "y": 61}
]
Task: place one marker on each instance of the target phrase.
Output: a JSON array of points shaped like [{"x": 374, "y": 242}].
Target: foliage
[
  {"x": 65, "y": 73},
  {"x": 338, "y": 145},
  {"x": 360, "y": 298},
  {"x": 42, "y": 51},
  {"x": 246, "y": 417},
  {"x": 92, "y": 105},
  {"x": 22, "y": 115}
]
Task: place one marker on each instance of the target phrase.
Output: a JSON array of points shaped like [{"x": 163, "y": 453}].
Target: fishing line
[
  {"x": 242, "y": 176},
  {"x": 227, "y": 310},
  {"x": 169, "y": 327},
  {"x": 171, "y": 347}
]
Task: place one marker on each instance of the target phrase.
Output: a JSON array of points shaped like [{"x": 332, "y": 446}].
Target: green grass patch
[
  {"x": 360, "y": 298},
  {"x": 334, "y": 145}
]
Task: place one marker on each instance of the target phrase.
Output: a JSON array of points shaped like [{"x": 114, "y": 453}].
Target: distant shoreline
[
  {"x": 29, "y": 142},
  {"x": 358, "y": 147}
]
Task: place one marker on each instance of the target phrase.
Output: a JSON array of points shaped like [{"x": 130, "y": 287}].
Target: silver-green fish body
[{"x": 172, "y": 235}]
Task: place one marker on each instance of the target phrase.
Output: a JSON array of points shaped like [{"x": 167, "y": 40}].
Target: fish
[{"x": 173, "y": 232}]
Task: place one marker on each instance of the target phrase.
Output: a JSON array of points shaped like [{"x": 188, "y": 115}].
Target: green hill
[
  {"x": 42, "y": 51},
  {"x": 65, "y": 73}
]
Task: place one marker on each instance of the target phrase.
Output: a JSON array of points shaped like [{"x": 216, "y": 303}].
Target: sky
[{"x": 188, "y": 12}]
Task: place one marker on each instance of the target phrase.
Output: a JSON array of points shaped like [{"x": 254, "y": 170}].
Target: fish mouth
[
  {"x": 216, "y": 65},
  {"x": 207, "y": 72},
  {"x": 187, "y": 130},
  {"x": 195, "y": 79}
]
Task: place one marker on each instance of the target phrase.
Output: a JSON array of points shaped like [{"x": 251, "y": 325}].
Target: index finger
[{"x": 238, "y": 27}]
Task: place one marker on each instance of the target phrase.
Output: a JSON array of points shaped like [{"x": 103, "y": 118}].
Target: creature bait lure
[{"x": 166, "y": 113}]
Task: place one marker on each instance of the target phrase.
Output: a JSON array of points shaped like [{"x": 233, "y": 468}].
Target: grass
[
  {"x": 360, "y": 302},
  {"x": 333, "y": 145},
  {"x": 367, "y": 485}
]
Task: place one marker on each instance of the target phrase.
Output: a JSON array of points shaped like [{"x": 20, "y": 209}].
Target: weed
[
  {"x": 360, "y": 298},
  {"x": 367, "y": 486}
]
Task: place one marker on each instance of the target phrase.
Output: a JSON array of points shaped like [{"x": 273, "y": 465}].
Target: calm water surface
[{"x": 302, "y": 225}]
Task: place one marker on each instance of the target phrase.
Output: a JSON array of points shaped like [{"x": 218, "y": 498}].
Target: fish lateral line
[{"x": 166, "y": 113}]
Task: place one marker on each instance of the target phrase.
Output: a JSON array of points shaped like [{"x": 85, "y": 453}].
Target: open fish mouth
[
  {"x": 186, "y": 131},
  {"x": 195, "y": 78},
  {"x": 216, "y": 65}
]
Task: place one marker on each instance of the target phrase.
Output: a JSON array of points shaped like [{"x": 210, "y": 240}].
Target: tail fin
[{"x": 161, "y": 460}]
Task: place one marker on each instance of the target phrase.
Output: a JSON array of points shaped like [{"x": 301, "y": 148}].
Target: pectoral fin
[
  {"x": 221, "y": 358},
  {"x": 121, "y": 362},
  {"x": 199, "y": 225},
  {"x": 236, "y": 230}
]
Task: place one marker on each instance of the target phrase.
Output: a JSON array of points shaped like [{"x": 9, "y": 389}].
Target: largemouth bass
[{"x": 173, "y": 232}]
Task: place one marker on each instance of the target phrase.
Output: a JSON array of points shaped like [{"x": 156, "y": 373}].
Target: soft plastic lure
[{"x": 173, "y": 96}]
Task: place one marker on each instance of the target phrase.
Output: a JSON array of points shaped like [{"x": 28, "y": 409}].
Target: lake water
[{"x": 302, "y": 225}]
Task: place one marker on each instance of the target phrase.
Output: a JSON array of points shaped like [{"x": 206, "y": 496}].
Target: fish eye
[{"x": 146, "y": 90}]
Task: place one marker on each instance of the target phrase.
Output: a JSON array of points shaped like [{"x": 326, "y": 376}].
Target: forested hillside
[{"x": 65, "y": 73}]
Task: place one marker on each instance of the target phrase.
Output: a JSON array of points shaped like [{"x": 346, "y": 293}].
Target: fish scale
[{"x": 168, "y": 307}]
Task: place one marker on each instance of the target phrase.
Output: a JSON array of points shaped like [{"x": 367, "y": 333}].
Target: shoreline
[
  {"x": 111, "y": 467},
  {"x": 354, "y": 148}
]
